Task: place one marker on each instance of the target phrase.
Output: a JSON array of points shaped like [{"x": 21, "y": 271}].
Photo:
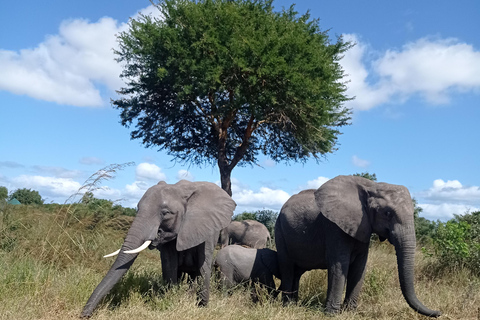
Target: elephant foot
[
  {"x": 202, "y": 303},
  {"x": 331, "y": 312},
  {"x": 349, "y": 305},
  {"x": 332, "y": 309}
]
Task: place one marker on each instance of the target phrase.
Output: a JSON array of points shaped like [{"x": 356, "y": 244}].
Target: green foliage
[
  {"x": 3, "y": 193},
  {"x": 367, "y": 175},
  {"x": 266, "y": 217},
  {"x": 222, "y": 81},
  {"x": 424, "y": 228},
  {"x": 27, "y": 196},
  {"x": 245, "y": 216},
  {"x": 457, "y": 242}
]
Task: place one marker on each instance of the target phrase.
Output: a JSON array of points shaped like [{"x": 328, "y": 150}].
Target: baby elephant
[{"x": 238, "y": 264}]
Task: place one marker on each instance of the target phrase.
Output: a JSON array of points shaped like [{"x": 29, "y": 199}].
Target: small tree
[
  {"x": 3, "y": 193},
  {"x": 222, "y": 81},
  {"x": 367, "y": 175},
  {"x": 27, "y": 196}
]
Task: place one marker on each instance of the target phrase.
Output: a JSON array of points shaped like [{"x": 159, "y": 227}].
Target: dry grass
[{"x": 49, "y": 269}]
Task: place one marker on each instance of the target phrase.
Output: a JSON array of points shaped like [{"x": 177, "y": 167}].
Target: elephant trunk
[
  {"x": 136, "y": 236},
  {"x": 405, "y": 244}
]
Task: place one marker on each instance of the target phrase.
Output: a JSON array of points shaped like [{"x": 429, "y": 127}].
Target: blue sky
[{"x": 415, "y": 73}]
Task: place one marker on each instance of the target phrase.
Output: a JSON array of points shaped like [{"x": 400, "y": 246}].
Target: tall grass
[{"x": 51, "y": 261}]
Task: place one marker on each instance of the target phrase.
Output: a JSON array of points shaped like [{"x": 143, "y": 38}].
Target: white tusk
[
  {"x": 142, "y": 247},
  {"x": 112, "y": 254}
]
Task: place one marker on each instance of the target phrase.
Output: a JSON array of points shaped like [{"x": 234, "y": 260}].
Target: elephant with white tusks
[
  {"x": 330, "y": 228},
  {"x": 183, "y": 222}
]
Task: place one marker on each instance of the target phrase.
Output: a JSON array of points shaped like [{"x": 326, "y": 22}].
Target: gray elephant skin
[
  {"x": 250, "y": 233},
  {"x": 238, "y": 264},
  {"x": 330, "y": 228},
  {"x": 183, "y": 222}
]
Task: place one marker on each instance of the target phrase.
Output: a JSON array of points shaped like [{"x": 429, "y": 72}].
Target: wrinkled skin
[
  {"x": 250, "y": 233},
  {"x": 238, "y": 264},
  {"x": 183, "y": 222},
  {"x": 330, "y": 228}
]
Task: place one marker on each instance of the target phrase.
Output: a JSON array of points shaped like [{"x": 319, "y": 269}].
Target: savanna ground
[{"x": 51, "y": 261}]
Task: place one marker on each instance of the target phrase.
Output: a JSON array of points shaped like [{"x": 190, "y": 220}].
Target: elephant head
[
  {"x": 361, "y": 207},
  {"x": 189, "y": 212}
]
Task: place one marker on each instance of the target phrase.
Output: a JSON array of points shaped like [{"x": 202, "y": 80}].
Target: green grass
[{"x": 51, "y": 260}]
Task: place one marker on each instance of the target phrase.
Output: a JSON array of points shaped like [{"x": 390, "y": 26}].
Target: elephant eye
[{"x": 165, "y": 212}]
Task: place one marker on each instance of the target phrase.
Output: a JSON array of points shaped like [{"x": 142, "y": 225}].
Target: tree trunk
[{"x": 225, "y": 178}]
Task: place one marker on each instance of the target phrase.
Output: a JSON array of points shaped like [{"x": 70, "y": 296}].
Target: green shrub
[{"x": 457, "y": 242}]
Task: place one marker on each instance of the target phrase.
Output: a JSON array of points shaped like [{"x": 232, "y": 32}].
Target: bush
[{"x": 457, "y": 242}]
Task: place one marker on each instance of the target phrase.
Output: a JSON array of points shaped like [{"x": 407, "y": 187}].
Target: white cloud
[
  {"x": 264, "y": 198},
  {"x": 360, "y": 162},
  {"x": 366, "y": 95},
  {"x": 451, "y": 191},
  {"x": 185, "y": 175},
  {"x": 108, "y": 193},
  {"x": 149, "y": 172},
  {"x": 57, "y": 172},
  {"x": 67, "y": 67},
  {"x": 444, "y": 211},
  {"x": 47, "y": 186},
  {"x": 431, "y": 68},
  {"x": 313, "y": 184}
]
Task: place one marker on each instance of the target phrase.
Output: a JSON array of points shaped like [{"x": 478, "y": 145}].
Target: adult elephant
[
  {"x": 183, "y": 222},
  {"x": 250, "y": 233},
  {"x": 330, "y": 228}
]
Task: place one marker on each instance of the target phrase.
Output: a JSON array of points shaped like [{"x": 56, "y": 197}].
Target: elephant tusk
[
  {"x": 112, "y": 254},
  {"x": 142, "y": 247}
]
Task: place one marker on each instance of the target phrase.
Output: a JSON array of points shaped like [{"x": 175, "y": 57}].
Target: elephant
[
  {"x": 183, "y": 222},
  {"x": 239, "y": 264},
  {"x": 250, "y": 233},
  {"x": 330, "y": 228}
]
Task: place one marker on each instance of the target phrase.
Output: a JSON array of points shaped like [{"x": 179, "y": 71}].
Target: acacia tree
[{"x": 219, "y": 81}]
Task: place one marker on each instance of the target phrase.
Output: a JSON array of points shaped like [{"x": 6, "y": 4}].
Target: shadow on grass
[{"x": 149, "y": 285}]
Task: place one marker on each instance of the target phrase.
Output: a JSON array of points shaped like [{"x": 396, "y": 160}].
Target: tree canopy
[
  {"x": 27, "y": 196},
  {"x": 221, "y": 82},
  {"x": 3, "y": 193}
]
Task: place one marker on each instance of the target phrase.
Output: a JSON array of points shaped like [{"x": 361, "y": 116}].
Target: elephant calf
[
  {"x": 238, "y": 264},
  {"x": 250, "y": 233}
]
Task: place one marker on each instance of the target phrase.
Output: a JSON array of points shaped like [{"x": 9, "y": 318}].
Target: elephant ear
[
  {"x": 208, "y": 210},
  {"x": 343, "y": 201}
]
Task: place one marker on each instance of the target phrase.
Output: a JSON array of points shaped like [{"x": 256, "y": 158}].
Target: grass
[{"x": 51, "y": 260}]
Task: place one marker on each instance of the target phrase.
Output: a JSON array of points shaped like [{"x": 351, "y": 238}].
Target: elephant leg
[
  {"x": 287, "y": 270},
  {"x": 297, "y": 274},
  {"x": 205, "y": 258},
  {"x": 337, "y": 272},
  {"x": 356, "y": 274},
  {"x": 169, "y": 258}
]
